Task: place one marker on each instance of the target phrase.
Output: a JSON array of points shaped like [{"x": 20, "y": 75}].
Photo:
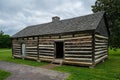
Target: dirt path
[
  {"x": 25, "y": 72},
  {"x": 50, "y": 66}
]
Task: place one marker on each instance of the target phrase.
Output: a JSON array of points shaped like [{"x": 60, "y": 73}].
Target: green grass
[
  {"x": 6, "y": 55},
  {"x": 4, "y": 74},
  {"x": 109, "y": 70}
]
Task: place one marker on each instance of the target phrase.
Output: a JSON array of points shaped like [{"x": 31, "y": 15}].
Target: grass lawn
[
  {"x": 4, "y": 74},
  {"x": 109, "y": 70},
  {"x": 6, "y": 55}
]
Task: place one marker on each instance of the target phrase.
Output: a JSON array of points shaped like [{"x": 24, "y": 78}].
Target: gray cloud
[{"x": 17, "y": 14}]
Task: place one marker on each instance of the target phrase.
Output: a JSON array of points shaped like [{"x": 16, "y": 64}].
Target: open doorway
[{"x": 59, "y": 49}]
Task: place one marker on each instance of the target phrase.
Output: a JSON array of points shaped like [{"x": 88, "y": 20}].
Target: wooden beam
[
  {"x": 46, "y": 48},
  {"x": 96, "y": 43},
  {"x": 46, "y": 54},
  {"x": 97, "y": 40},
  {"x": 79, "y": 48},
  {"x": 97, "y": 56},
  {"x": 78, "y": 63},
  {"x": 74, "y": 55},
  {"x": 31, "y": 52},
  {"x": 100, "y": 59},
  {"x": 32, "y": 47},
  {"x": 100, "y": 52},
  {"x": 46, "y": 45},
  {"x": 41, "y": 56},
  {"x": 99, "y": 36},
  {"x": 75, "y": 42},
  {"x": 96, "y": 46},
  {"x": 70, "y": 58},
  {"x": 78, "y": 51},
  {"x": 100, "y": 49},
  {"x": 48, "y": 51}
]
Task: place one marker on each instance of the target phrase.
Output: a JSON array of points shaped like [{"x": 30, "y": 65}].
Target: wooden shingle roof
[{"x": 82, "y": 23}]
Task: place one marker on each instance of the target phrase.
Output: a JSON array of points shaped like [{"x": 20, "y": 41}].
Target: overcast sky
[{"x": 17, "y": 14}]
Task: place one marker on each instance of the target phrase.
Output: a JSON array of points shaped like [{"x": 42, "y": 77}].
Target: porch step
[{"x": 57, "y": 61}]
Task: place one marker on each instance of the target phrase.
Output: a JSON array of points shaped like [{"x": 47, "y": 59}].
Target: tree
[
  {"x": 112, "y": 9},
  {"x": 1, "y": 32},
  {"x": 5, "y": 41}
]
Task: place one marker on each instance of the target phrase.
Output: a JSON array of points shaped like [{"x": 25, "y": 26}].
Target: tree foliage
[
  {"x": 112, "y": 9},
  {"x": 5, "y": 41}
]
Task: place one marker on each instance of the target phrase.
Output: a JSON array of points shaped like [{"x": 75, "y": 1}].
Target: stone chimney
[{"x": 56, "y": 18}]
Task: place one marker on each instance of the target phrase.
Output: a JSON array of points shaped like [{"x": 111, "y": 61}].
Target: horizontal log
[
  {"x": 99, "y": 36},
  {"x": 82, "y": 37},
  {"x": 46, "y": 51},
  {"x": 79, "y": 48},
  {"x": 46, "y": 59},
  {"x": 29, "y": 57},
  {"x": 16, "y": 53},
  {"x": 99, "y": 52},
  {"x": 80, "y": 56},
  {"x": 100, "y": 55},
  {"x": 51, "y": 40},
  {"x": 45, "y": 56},
  {"x": 45, "y": 48},
  {"x": 78, "y": 51},
  {"x": 100, "y": 43},
  {"x": 100, "y": 59},
  {"x": 78, "y": 63},
  {"x": 99, "y": 40},
  {"x": 32, "y": 47},
  {"x": 50, "y": 50},
  {"x": 83, "y": 34},
  {"x": 46, "y": 45},
  {"x": 84, "y": 45},
  {"x": 75, "y": 42},
  {"x": 32, "y": 55},
  {"x": 31, "y": 52},
  {"x": 17, "y": 49},
  {"x": 104, "y": 46},
  {"x": 100, "y": 49}
]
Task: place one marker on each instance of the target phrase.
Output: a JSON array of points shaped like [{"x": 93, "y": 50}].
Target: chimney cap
[{"x": 55, "y": 18}]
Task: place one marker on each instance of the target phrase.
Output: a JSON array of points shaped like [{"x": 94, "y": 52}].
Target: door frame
[
  {"x": 23, "y": 54},
  {"x": 55, "y": 48}
]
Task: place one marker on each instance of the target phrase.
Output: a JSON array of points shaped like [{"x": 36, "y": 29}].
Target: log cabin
[{"x": 77, "y": 41}]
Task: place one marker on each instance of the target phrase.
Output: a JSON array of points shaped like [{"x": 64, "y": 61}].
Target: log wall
[
  {"x": 78, "y": 50},
  {"x": 81, "y": 49},
  {"x": 30, "y": 44},
  {"x": 46, "y": 49},
  {"x": 101, "y": 48},
  {"x": 31, "y": 47},
  {"x": 16, "y": 47}
]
